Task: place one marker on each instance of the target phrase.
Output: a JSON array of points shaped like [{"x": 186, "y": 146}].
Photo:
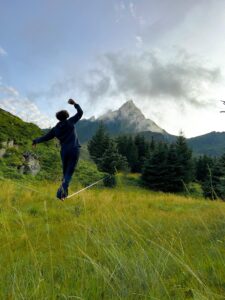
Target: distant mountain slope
[
  {"x": 157, "y": 136},
  {"x": 212, "y": 143},
  {"x": 127, "y": 119}
]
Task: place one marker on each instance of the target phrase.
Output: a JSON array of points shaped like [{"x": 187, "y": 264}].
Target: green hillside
[
  {"x": 20, "y": 134},
  {"x": 125, "y": 243},
  {"x": 13, "y": 128}
]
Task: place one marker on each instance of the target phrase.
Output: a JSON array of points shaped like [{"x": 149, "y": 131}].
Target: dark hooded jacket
[{"x": 64, "y": 131}]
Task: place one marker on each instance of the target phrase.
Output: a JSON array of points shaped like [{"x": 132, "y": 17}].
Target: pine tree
[
  {"x": 202, "y": 166},
  {"x": 98, "y": 144},
  {"x": 132, "y": 155},
  {"x": 143, "y": 150},
  {"x": 111, "y": 160},
  {"x": 152, "y": 145},
  {"x": 122, "y": 144},
  {"x": 127, "y": 148},
  {"x": 185, "y": 167},
  {"x": 155, "y": 172},
  {"x": 172, "y": 180},
  {"x": 214, "y": 184},
  {"x": 169, "y": 168}
]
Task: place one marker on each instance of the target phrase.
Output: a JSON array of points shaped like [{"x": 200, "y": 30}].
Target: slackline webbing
[{"x": 33, "y": 190}]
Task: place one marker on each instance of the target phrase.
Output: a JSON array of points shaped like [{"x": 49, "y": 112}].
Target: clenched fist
[{"x": 71, "y": 101}]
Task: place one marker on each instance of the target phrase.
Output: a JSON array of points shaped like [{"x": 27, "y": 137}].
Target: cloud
[
  {"x": 123, "y": 10},
  {"x": 139, "y": 41},
  {"x": 132, "y": 9},
  {"x": 56, "y": 94},
  {"x": 97, "y": 84},
  {"x": 8, "y": 90},
  {"x": 13, "y": 102},
  {"x": 181, "y": 79},
  {"x": 26, "y": 110},
  {"x": 154, "y": 20},
  {"x": 120, "y": 9},
  {"x": 2, "y": 52}
]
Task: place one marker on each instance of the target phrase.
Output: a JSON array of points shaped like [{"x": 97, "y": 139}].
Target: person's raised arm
[
  {"x": 48, "y": 136},
  {"x": 79, "y": 113}
]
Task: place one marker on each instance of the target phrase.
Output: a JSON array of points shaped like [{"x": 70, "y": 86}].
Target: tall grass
[{"x": 124, "y": 243}]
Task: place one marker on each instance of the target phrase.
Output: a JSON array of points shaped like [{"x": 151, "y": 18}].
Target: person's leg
[
  {"x": 64, "y": 162},
  {"x": 61, "y": 192},
  {"x": 72, "y": 161}
]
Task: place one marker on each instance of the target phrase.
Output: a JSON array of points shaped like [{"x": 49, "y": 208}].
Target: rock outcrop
[
  {"x": 7, "y": 145},
  {"x": 31, "y": 164}
]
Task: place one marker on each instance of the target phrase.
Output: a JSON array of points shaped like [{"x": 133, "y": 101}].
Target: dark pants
[{"x": 69, "y": 158}]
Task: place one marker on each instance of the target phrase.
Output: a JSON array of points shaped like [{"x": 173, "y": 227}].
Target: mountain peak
[
  {"x": 128, "y": 103},
  {"x": 129, "y": 118},
  {"x": 129, "y": 106}
]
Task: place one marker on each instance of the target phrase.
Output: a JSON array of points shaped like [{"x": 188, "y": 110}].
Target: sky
[{"x": 168, "y": 56}]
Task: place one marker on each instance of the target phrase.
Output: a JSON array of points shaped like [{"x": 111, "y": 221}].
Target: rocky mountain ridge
[
  {"x": 132, "y": 117},
  {"x": 127, "y": 119}
]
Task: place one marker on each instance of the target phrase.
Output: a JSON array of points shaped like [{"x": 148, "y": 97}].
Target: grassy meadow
[{"x": 123, "y": 243}]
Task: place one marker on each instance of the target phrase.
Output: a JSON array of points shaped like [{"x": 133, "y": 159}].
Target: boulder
[
  {"x": 21, "y": 169},
  {"x": 31, "y": 164}
]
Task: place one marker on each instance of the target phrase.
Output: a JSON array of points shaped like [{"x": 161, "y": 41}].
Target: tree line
[{"x": 163, "y": 167}]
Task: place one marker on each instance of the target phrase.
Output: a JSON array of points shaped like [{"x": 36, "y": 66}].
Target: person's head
[{"x": 62, "y": 115}]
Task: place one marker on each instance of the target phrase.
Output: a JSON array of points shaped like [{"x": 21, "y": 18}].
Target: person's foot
[{"x": 62, "y": 193}]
